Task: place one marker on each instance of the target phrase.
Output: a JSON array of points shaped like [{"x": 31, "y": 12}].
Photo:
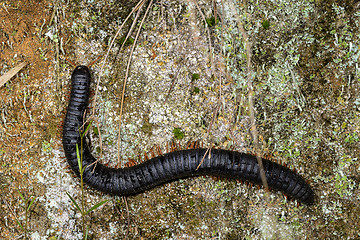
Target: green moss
[
  {"x": 147, "y": 126},
  {"x": 266, "y": 24},
  {"x": 95, "y": 130},
  {"x": 211, "y": 21},
  {"x": 128, "y": 42},
  {"x": 195, "y": 76},
  {"x": 47, "y": 146},
  {"x": 352, "y": 138},
  {"x": 178, "y": 134}
]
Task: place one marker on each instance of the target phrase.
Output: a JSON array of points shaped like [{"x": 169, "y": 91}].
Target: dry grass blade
[
  {"x": 136, "y": 8},
  {"x": 172, "y": 84},
  {"x": 7, "y": 76},
  {"x": 209, "y": 37},
  {"x": 214, "y": 73},
  {"x": 127, "y": 74},
  {"x": 208, "y": 150},
  {"x": 140, "y": 3},
  {"x": 251, "y": 100}
]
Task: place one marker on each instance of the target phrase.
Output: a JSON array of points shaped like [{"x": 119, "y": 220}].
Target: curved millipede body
[{"x": 169, "y": 166}]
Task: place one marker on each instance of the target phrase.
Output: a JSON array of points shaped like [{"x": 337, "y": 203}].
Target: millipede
[{"x": 169, "y": 166}]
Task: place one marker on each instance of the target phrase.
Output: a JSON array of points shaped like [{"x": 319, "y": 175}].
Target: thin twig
[
  {"x": 301, "y": 98},
  {"x": 212, "y": 67},
  {"x": 251, "y": 100},
  {"x": 12, "y": 72},
  {"x": 173, "y": 83},
  {"x": 132, "y": 26},
  {"x": 208, "y": 150},
  {"x": 128, "y": 216},
  {"x": 184, "y": 62},
  {"x": 208, "y": 35},
  {"x": 108, "y": 53},
  {"x": 213, "y": 118},
  {"x": 14, "y": 215},
  {"x": 127, "y": 73}
]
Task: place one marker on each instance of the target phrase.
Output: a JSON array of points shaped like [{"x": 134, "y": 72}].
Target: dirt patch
[{"x": 24, "y": 123}]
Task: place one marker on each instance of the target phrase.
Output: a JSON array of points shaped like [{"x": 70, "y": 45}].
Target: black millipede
[{"x": 169, "y": 166}]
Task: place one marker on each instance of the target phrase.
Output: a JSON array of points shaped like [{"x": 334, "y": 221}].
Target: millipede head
[{"x": 82, "y": 71}]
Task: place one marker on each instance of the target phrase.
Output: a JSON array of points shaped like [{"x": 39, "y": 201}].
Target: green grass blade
[
  {"x": 22, "y": 197},
  {"x": 31, "y": 203},
  {"x": 78, "y": 158},
  {"x": 74, "y": 202},
  {"x": 86, "y": 130},
  {"x": 87, "y": 232},
  {"x": 96, "y": 206},
  {"x": 22, "y": 228}
]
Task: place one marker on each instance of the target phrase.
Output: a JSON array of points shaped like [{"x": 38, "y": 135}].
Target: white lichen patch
[{"x": 55, "y": 201}]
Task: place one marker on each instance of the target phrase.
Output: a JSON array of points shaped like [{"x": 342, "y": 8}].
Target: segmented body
[{"x": 169, "y": 166}]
